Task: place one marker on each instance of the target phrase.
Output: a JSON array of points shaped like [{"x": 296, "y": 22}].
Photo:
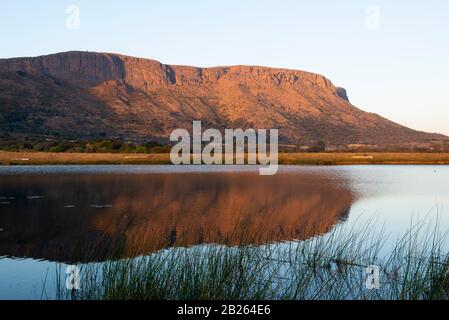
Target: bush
[
  {"x": 9, "y": 143},
  {"x": 39, "y": 147},
  {"x": 57, "y": 149}
]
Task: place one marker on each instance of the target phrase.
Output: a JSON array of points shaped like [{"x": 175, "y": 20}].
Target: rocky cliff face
[
  {"x": 84, "y": 95},
  {"x": 88, "y": 69}
]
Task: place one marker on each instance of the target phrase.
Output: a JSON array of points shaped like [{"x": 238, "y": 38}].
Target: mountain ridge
[{"x": 88, "y": 94}]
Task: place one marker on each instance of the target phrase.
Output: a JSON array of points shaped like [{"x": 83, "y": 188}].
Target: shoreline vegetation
[
  {"x": 347, "y": 158},
  {"x": 334, "y": 266}
]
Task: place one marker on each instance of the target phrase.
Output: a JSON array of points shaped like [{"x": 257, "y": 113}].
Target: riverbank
[{"x": 46, "y": 158}]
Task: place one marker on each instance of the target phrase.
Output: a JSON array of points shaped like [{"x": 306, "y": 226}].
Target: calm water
[{"x": 59, "y": 215}]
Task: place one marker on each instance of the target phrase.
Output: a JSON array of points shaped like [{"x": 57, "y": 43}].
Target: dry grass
[
  {"x": 43, "y": 158},
  {"x": 363, "y": 158},
  {"x": 38, "y": 158}
]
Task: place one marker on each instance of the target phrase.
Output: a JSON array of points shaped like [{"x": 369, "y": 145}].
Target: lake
[{"x": 53, "y": 216}]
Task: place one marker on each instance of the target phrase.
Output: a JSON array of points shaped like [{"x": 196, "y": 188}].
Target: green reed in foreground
[{"x": 325, "y": 267}]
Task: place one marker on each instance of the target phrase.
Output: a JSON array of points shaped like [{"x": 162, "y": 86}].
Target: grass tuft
[{"x": 326, "y": 267}]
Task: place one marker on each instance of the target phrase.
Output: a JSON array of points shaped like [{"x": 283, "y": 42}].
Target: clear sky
[{"x": 391, "y": 56}]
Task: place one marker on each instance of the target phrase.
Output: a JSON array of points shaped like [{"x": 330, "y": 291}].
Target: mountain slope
[{"x": 86, "y": 95}]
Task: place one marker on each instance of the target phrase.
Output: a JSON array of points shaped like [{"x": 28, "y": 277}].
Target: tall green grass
[{"x": 332, "y": 266}]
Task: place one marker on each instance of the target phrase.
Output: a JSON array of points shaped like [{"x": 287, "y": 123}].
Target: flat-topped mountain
[{"x": 83, "y": 95}]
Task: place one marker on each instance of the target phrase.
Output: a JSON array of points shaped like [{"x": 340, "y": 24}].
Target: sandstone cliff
[{"x": 86, "y": 95}]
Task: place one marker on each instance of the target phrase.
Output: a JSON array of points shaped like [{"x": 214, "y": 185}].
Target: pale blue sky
[{"x": 399, "y": 70}]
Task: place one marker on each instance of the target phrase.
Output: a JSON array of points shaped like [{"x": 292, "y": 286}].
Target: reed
[{"x": 325, "y": 267}]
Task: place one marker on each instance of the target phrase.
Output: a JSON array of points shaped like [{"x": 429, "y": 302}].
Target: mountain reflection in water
[{"x": 93, "y": 217}]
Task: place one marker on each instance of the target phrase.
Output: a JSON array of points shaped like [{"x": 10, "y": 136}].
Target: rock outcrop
[{"x": 86, "y": 95}]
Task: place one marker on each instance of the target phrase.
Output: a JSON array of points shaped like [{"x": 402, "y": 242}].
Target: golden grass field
[{"x": 40, "y": 158}]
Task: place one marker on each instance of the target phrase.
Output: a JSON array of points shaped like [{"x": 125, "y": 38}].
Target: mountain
[{"x": 83, "y": 95}]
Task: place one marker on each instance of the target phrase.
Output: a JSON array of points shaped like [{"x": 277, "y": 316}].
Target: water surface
[{"x": 51, "y": 216}]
